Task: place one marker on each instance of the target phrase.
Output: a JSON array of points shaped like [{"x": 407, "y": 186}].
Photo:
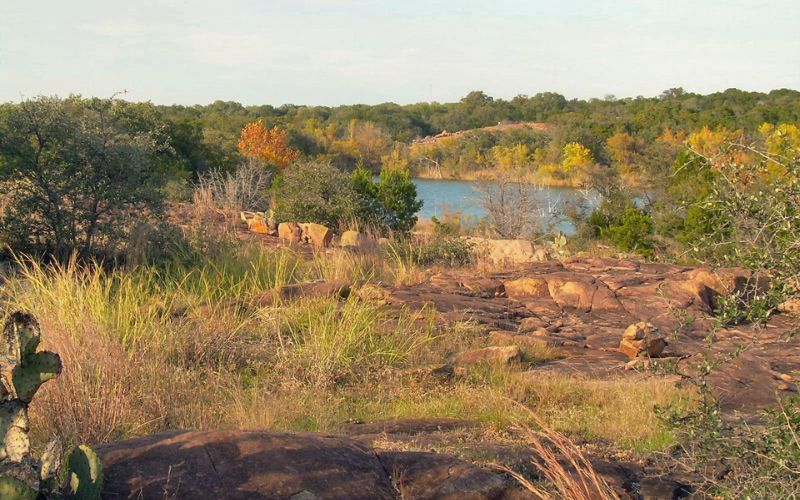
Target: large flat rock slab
[
  {"x": 295, "y": 466},
  {"x": 430, "y": 475},
  {"x": 243, "y": 465}
]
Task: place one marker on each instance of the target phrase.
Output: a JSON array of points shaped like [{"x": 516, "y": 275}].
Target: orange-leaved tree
[{"x": 268, "y": 145}]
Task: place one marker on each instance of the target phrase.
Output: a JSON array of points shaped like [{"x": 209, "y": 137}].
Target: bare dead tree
[{"x": 514, "y": 209}]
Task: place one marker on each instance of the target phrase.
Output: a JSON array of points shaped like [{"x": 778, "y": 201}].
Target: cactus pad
[
  {"x": 85, "y": 474},
  {"x": 34, "y": 370},
  {"x": 13, "y": 489}
]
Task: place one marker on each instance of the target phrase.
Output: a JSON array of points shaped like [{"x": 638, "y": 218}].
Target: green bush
[
  {"x": 627, "y": 227},
  {"x": 681, "y": 213},
  {"x": 79, "y": 174},
  {"x": 319, "y": 192},
  {"x": 391, "y": 204},
  {"x": 370, "y": 211},
  {"x": 759, "y": 457},
  {"x": 632, "y": 232},
  {"x": 315, "y": 192},
  {"x": 398, "y": 195}
]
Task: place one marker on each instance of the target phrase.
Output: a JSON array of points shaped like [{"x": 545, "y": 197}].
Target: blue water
[{"x": 454, "y": 197}]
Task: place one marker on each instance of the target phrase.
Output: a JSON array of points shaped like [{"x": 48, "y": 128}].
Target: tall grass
[
  {"x": 327, "y": 340},
  {"x": 149, "y": 349}
]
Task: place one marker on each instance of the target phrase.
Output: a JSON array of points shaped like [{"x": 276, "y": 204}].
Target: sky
[{"x": 331, "y": 52}]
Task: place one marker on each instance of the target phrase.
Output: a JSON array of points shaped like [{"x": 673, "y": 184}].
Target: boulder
[
  {"x": 289, "y": 232},
  {"x": 642, "y": 339},
  {"x": 316, "y": 234},
  {"x": 487, "y": 286},
  {"x": 351, "y": 239},
  {"x": 604, "y": 299},
  {"x": 370, "y": 291},
  {"x": 256, "y": 222},
  {"x": 571, "y": 290},
  {"x": 524, "y": 288},
  {"x": 492, "y": 355},
  {"x": 531, "y": 323},
  {"x": 707, "y": 285},
  {"x": 242, "y": 464}
]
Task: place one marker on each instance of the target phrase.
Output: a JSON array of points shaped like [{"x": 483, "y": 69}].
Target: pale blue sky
[{"x": 368, "y": 51}]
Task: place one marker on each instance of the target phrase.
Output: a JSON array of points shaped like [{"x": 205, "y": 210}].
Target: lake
[{"x": 442, "y": 197}]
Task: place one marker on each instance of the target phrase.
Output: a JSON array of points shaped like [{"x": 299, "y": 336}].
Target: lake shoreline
[
  {"x": 532, "y": 178},
  {"x": 491, "y": 175},
  {"x": 449, "y": 198}
]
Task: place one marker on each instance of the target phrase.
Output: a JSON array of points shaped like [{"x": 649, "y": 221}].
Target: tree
[
  {"x": 576, "y": 157},
  {"x": 622, "y": 149},
  {"x": 257, "y": 142},
  {"x": 78, "y": 174},
  {"x": 512, "y": 204}
]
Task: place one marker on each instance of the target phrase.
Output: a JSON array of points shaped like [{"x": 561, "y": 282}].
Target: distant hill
[{"x": 500, "y": 127}]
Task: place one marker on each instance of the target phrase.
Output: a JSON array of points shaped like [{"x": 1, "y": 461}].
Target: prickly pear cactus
[
  {"x": 22, "y": 371},
  {"x": 85, "y": 479}
]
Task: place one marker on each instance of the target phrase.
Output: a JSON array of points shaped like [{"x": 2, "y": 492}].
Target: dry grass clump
[{"x": 562, "y": 464}]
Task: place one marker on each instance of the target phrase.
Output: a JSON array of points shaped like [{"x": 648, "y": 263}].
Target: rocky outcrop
[
  {"x": 525, "y": 288},
  {"x": 642, "y": 339},
  {"x": 316, "y": 234},
  {"x": 567, "y": 289},
  {"x": 257, "y": 222},
  {"x": 266, "y": 464},
  {"x": 501, "y": 338},
  {"x": 351, "y": 239},
  {"x": 238, "y": 464},
  {"x": 431, "y": 475},
  {"x": 289, "y": 232}
]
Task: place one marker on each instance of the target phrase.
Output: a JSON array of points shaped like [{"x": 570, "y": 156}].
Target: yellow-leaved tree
[
  {"x": 575, "y": 158},
  {"x": 511, "y": 157},
  {"x": 259, "y": 143}
]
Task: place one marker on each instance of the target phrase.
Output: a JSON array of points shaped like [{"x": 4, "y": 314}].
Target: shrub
[
  {"x": 441, "y": 249},
  {"x": 759, "y": 458},
  {"x": 398, "y": 195},
  {"x": 370, "y": 211},
  {"x": 630, "y": 229},
  {"x": 315, "y": 192},
  {"x": 632, "y": 232},
  {"x": 78, "y": 173},
  {"x": 513, "y": 207},
  {"x": 391, "y": 204},
  {"x": 680, "y": 213},
  {"x": 247, "y": 188}
]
